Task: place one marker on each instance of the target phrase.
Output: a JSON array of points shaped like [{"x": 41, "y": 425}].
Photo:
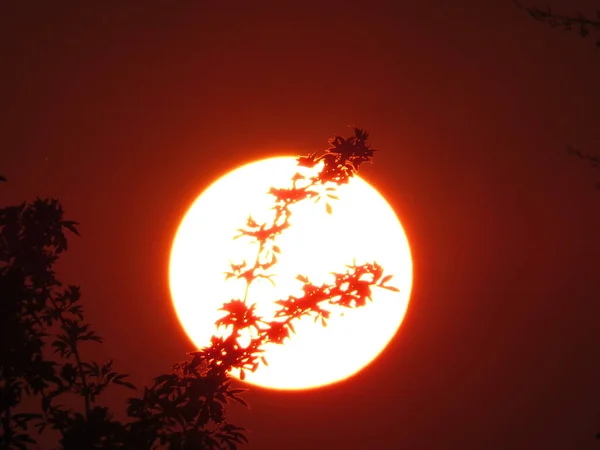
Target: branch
[
  {"x": 75, "y": 352},
  {"x": 566, "y": 22}
]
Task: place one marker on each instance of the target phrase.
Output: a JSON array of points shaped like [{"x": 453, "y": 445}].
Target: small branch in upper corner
[{"x": 593, "y": 159}]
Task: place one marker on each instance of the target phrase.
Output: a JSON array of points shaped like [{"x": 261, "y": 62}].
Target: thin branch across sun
[
  {"x": 186, "y": 408},
  {"x": 340, "y": 162},
  {"x": 190, "y": 403}
]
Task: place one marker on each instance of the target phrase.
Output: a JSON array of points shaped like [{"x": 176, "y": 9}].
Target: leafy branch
[
  {"x": 33, "y": 303},
  {"x": 187, "y": 407}
]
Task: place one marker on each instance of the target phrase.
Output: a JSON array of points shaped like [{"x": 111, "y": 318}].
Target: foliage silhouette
[
  {"x": 207, "y": 373},
  {"x": 182, "y": 409},
  {"x": 34, "y": 307}
]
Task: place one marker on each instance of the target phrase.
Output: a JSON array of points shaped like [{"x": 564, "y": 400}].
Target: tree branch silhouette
[
  {"x": 182, "y": 409},
  {"x": 208, "y": 371},
  {"x": 584, "y": 27},
  {"x": 577, "y": 22},
  {"x": 568, "y": 23}
]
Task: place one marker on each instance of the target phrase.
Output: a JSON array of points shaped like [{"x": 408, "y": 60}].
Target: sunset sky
[{"x": 127, "y": 111}]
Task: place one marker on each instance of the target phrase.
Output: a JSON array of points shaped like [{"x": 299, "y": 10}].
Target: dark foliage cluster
[
  {"x": 43, "y": 329},
  {"x": 38, "y": 315}
]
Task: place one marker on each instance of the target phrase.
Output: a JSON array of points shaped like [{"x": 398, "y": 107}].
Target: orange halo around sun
[{"x": 362, "y": 228}]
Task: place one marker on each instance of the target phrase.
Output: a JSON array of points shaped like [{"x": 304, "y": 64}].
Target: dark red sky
[{"x": 126, "y": 113}]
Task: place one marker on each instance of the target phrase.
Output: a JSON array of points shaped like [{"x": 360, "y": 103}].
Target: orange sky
[{"x": 126, "y": 113}]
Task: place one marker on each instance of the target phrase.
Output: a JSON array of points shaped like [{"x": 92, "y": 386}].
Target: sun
[{"x": 361, "y": 228}]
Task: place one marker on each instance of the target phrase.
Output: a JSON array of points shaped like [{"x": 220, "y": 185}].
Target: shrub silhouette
[{"x": 182, "y": 409}]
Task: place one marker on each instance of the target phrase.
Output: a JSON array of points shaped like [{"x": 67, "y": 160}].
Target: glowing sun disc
[{"x": 362, "y": 228}]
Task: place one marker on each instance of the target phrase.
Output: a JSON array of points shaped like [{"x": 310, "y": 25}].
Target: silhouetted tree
[
  {"x": 185, "y": 408},
  {"x": 35, "y": 309}
]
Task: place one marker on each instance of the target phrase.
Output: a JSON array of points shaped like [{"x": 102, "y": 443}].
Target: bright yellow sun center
[{"x": 362, "y": 228}]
